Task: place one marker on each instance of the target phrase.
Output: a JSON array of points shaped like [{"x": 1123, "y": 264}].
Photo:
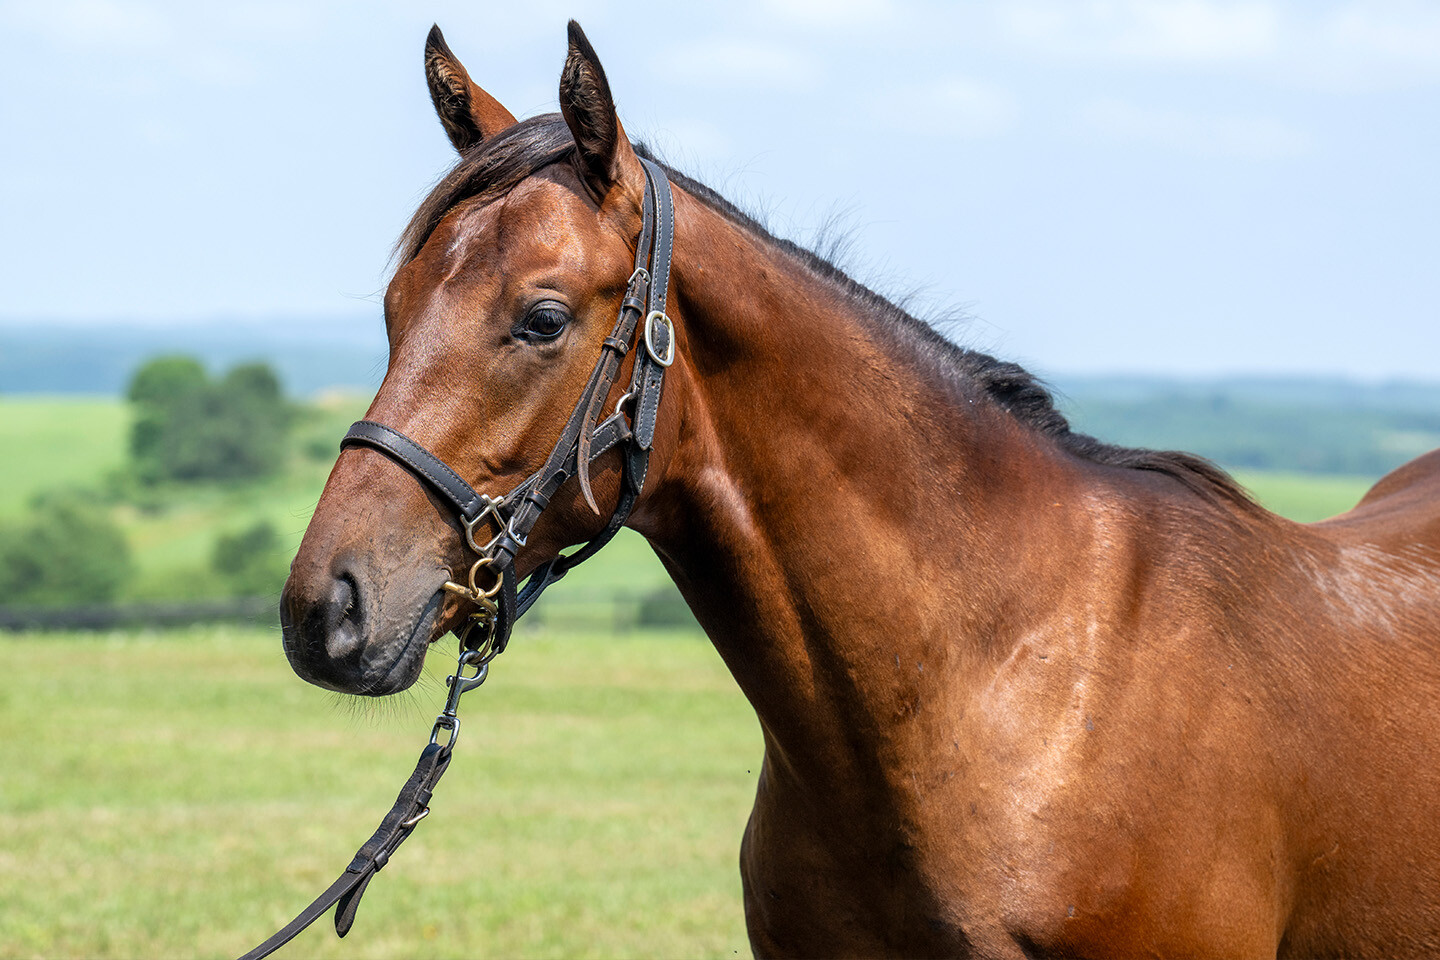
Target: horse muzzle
[{"x": 343, "y": 635}]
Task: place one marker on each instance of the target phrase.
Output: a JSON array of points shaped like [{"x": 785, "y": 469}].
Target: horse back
[{"x": 1401, "y": 511}]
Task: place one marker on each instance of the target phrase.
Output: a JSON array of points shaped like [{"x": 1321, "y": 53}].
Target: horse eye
[{"x": 545, "y": 321}]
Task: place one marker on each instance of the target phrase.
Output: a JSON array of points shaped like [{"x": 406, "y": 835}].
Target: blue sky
[{"x": 1192, "y": 186}]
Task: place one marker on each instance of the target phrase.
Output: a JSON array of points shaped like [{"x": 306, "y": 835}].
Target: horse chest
[{"x": 934, "y": 869}]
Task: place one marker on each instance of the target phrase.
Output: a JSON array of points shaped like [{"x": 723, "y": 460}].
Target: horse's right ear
[
  {"x": 470, "y": 115},
  {"x": 605, "y": 157}
]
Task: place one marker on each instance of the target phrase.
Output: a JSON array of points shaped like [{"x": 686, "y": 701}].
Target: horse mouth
[{"x": 405, "y": 666}]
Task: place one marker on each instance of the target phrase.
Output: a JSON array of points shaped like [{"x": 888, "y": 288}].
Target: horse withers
[{"x": 1022, "y": 692}]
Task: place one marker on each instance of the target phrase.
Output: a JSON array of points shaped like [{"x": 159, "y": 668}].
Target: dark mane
[{"x": 493, "y": 168}]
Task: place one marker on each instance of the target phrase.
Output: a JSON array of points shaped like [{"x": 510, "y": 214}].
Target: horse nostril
[{"x": 343, "y": 636}]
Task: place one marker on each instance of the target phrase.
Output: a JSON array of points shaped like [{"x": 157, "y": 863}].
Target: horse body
[
  {"x": 1088, "y": 711},
  {"x": 1018, "y": 697}
]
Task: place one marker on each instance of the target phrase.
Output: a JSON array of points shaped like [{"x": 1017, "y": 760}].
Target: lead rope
[
  {"x": 486, "y": 632},
  {"x": 411, "y": 806}
]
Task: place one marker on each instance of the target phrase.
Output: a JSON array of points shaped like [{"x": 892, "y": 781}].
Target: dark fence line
[
  {"x": 661, "y": 608},
  {"x": 117, "y": 616}
]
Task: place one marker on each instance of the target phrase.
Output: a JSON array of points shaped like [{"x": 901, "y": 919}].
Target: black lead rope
[{"x": 642, "y": 325}]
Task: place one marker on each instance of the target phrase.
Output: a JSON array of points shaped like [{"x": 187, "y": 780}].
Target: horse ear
[
  {"x": 470, "y": 115},
  {"x": 605, "y": 155}
]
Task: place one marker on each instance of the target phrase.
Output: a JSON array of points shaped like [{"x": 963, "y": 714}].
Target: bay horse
[{"x": 1022, "y": 693}]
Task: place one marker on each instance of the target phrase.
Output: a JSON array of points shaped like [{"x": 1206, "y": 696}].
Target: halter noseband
[{"x": 584, "y": 439}]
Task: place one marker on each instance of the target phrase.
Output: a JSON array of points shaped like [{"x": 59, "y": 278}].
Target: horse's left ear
[
  {"x": 469, "y": 114},
  {"x": 605, "y": 157}
]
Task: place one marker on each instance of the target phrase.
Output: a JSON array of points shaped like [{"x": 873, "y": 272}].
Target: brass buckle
[{"x": 669, "y": 355}]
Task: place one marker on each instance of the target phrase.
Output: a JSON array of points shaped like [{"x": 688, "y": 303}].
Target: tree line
[{"x": 188, "y": 428}]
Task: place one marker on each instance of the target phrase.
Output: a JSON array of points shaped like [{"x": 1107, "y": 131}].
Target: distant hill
[
  {"x": 1307, "y": 425},
  {"x": 1288, "y": 391},
  {"x": 1310, "y": 425},
  {"x": 310, "y": 355}
]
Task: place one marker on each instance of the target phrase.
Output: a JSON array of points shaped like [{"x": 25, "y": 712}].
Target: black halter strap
[{"x": 641, "y": 325}]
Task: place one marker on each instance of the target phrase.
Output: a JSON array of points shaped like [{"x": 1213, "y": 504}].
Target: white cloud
[
  {"x": 1216, "y": 135},
  {"x": 144, "y": 39},
  {"x": 1349, "y": 44},
  {"x": 1409, "y": 31},
  {"x": 1369, "y": 45}
]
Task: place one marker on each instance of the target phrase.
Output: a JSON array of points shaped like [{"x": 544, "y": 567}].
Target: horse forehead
[
  {"x": 544, "y": 222},
  {"x": 546, "y": 213}
]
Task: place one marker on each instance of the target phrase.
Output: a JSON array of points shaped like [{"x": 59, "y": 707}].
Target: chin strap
[{"x": 642, "y": 326}]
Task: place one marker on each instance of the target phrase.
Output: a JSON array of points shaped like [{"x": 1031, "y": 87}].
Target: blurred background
[{"x": 1209, "y": 224}]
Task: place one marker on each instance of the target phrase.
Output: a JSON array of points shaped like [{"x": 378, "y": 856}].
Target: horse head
[{"x": 511, "y": 274}]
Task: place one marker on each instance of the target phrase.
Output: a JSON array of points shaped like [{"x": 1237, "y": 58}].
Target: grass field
[
  {"x": 183, "y": 794},
  {"x": 60, "y": 441},
  {"x": 1303, "y": 496}
]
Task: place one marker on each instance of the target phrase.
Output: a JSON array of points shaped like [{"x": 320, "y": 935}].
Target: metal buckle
[
  {"x": 490, "y": 507},
  {"x": 669, "y": 356}
]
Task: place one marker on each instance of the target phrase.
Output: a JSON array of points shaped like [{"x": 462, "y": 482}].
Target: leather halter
[{"x": 583, "y": 440}]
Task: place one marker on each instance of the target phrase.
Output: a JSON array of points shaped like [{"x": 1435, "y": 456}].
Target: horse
[{"x": 1022, "y": 693}]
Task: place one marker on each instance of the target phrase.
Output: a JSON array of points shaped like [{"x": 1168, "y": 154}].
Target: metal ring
[
  {"x": 669, "y": 356},
  {"x": 449, "y": 722},
  {"x": 475, "y": 591}
]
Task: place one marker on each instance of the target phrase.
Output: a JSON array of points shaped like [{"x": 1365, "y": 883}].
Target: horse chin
[{"x": 388, "y": 672}]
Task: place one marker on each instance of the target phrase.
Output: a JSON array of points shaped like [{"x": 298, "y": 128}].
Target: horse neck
[{"x": 848, "y": 527}]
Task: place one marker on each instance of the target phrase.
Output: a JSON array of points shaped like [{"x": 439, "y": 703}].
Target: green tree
[
  {"x": 168, "y": 394},
  {"x": 251, "y": 562},
  {"x": 64, "y": 551},
  {"x": 190, "y": 427},
  {"x": 252, "y": 421}
]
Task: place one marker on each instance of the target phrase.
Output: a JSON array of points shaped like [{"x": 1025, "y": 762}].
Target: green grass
[
  {"x": 58, "y": 441},
  {"x": 1305, "y": 497},
  {"x": 183, "y": 794}
]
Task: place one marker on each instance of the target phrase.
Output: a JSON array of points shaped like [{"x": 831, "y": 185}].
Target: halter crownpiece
[{"x": 501, "y": 602}]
